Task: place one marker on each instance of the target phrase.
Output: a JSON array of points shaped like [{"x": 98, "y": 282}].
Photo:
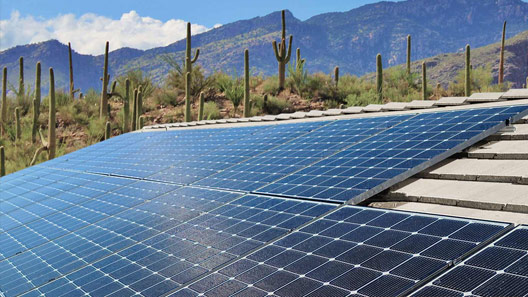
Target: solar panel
[
  {"x": 376, "y": 163},
  {"x": 298, "y": 153},
  {"x": 354, "y": 250},
  {"x": 134, "y": 237},
  {"x": 500, "y": 269}
]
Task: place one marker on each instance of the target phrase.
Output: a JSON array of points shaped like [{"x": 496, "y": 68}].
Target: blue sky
[{"x": 205, "y": 12}]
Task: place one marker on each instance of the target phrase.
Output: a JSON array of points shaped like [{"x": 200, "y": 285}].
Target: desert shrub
[
  {"x": 96, "y": 129},
  {"x": 137, "y": 78},
  {"x": 317, "y": 85},
  {"x": 167, "y": 96},
  {"x": 211, "y": 111},
  {"x": 271, "y": 85},
  {"x": 274, "y": 105},
  {"x": 363, "y": 98},
  {"x": 176, "y": 77},
  {"x": 297, "y": 78}
]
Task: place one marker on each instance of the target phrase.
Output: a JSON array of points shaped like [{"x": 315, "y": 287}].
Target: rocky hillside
[{"x": 349, "y": 39}]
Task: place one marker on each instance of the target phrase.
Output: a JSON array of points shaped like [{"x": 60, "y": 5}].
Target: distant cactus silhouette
[
  {"x": 18, "y": 131},
  {"x": 72, "y": 89},
  {"x": 3, "y": 113},
  {"x": 468, "y": 71},
  {"x": 2, "y": 162},
  {"x": 379, "y": 78},
  {"x": 336, "y": 76},
  {"x": 188, "y": 70},
  {"x": 126, "y": 107},
  {"x": 139, "y": 107},
  {"x": 281, "y": 54},
  {"x": 201, "y": 107},
  {"x": 501, "y": 62},
  {"x": 247, "y": 107},
  {"x": 21, "y": 89},
  {"x": 408, "y": 54},
  {"x": 36, "y": 104},
  {"x": 103, "y": 112},
  {"x": 424, "y": 81}
]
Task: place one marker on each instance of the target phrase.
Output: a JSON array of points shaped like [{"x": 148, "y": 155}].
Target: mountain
[{"x": 349, "y": 39}]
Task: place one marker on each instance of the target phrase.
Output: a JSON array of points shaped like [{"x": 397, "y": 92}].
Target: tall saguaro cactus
[
  {"x": 103, "y": 109},
  {"x": 501, "y": 62},
  {"x": 139, "y": 107},
  {"x": 108, "y": 131},
  {"x": 21, "y": 88},
  {"x": 201, "y": 107},
  {"x": 336, "y": 76},
  {"x": 72, "y": 88},
  {"x": 36, "y": 104},
  {"x": 188, "y": 97},
  {"x": 3, "y": 112},
  {"x": 188, "y": 63},
  {"x": 408, "y": 54},
  {"x": 424, "y": 81},
  {"x": 2, "y": 162},
  {"x": 468, "y": 71},
  {"x": 50, "y": 144},
  {"x": 247, "y": 107},
  {"x": 18, "y": 130},
  {"x": 282, "y": 55},
  {"x": 134, "y": 110},
  {"x": 379, "y": 78},
  {"x": 126, "y": 107}
]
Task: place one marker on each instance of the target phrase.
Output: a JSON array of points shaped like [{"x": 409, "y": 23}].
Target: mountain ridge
[{"x": 348, "y": 39}]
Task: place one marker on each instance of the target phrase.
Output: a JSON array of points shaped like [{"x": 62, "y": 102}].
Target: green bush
[
  {"x": 271, "y": 85},
  {"x": 211, "y": 111}
]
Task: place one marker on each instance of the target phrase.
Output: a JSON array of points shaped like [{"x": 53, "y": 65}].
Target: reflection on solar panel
[
  {"x": 376, "y": 163},
  {"x": 501, "y": 269},
  {"x": 69, "y": 238},
  {"x": 354, "y": 250},
  {"x": 298, "y": 153}
]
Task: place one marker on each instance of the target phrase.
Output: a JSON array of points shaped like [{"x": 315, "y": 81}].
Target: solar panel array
[
  {"x": 182, "y": 212},
  {"x": 500, "y": 269},
  {"x": 354, "y": 250}
]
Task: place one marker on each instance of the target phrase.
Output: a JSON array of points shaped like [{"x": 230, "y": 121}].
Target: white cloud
[{"x": 89, "y": 32}]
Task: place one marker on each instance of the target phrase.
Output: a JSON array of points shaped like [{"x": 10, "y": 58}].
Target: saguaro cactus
[
  {"x": 189, "y": 60},
  {"x": 17, "y": 123},
  {"x": 336, "y": 75},
  {"x": 141, "y": 122},
  {"x": 126, "y": 107},
  {"x": 3, "y": 112},
  {"x": 50, "y": 145},
  {"x": 201, "y": 107},
  {"x": 501, "y": 62},
  {"x": 379, "y": 78},
  {"x": 21, "y": 89},
  {"x": 134, "y": 110},
  {"x": 188, "y": 97},
  {"x": 139, "y": 107},
  {"x": 468, "y": 71},
  {"x": 72, "y": 89},
  {"x": 36, "y": 104},
  {"x": 282, "y": 55},
  {"x": 103, "y": 111},
  {"x": 409, "y": 54},
  {"x": 108, "y": 131},
  {"x": 299, "y": 63},
  {"x": 424, "y": 81},
  {"x": 2, "y": 162},
  {"x": 247, "y": 107}
]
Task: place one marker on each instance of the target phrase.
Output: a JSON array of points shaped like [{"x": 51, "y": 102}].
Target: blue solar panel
[
  {"x": 80, "y": 233},
  {"x": 376, "y": 163},
  {"x": 500, "y": 269},
  {"x": 354, "y": 250},
  {"x": 298, "y": 153}
]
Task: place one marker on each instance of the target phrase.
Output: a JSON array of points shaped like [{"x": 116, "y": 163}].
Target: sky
[{"x": 137, "y": 23}]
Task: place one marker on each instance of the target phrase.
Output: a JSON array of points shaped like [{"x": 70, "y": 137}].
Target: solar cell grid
[
  {"x": 293, "y": 155},
  {"x": 146, "y": 248},
  {"x": 372, "y": 165},
  {"x": 500, "y": 269},
  {"x": 230, "y": 153},
  {"x": 354, "y": 250}
]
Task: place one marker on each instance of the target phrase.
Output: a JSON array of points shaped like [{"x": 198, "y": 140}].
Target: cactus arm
[
  {"x": 2, "y": 162},
  {"x": 196, "y": 54},
  {"x": 52, "y": 121},
  {"x": 275, "y": 50},
  {"x": 42, "y": 138},
  {"x": 288, "y": 55}
]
